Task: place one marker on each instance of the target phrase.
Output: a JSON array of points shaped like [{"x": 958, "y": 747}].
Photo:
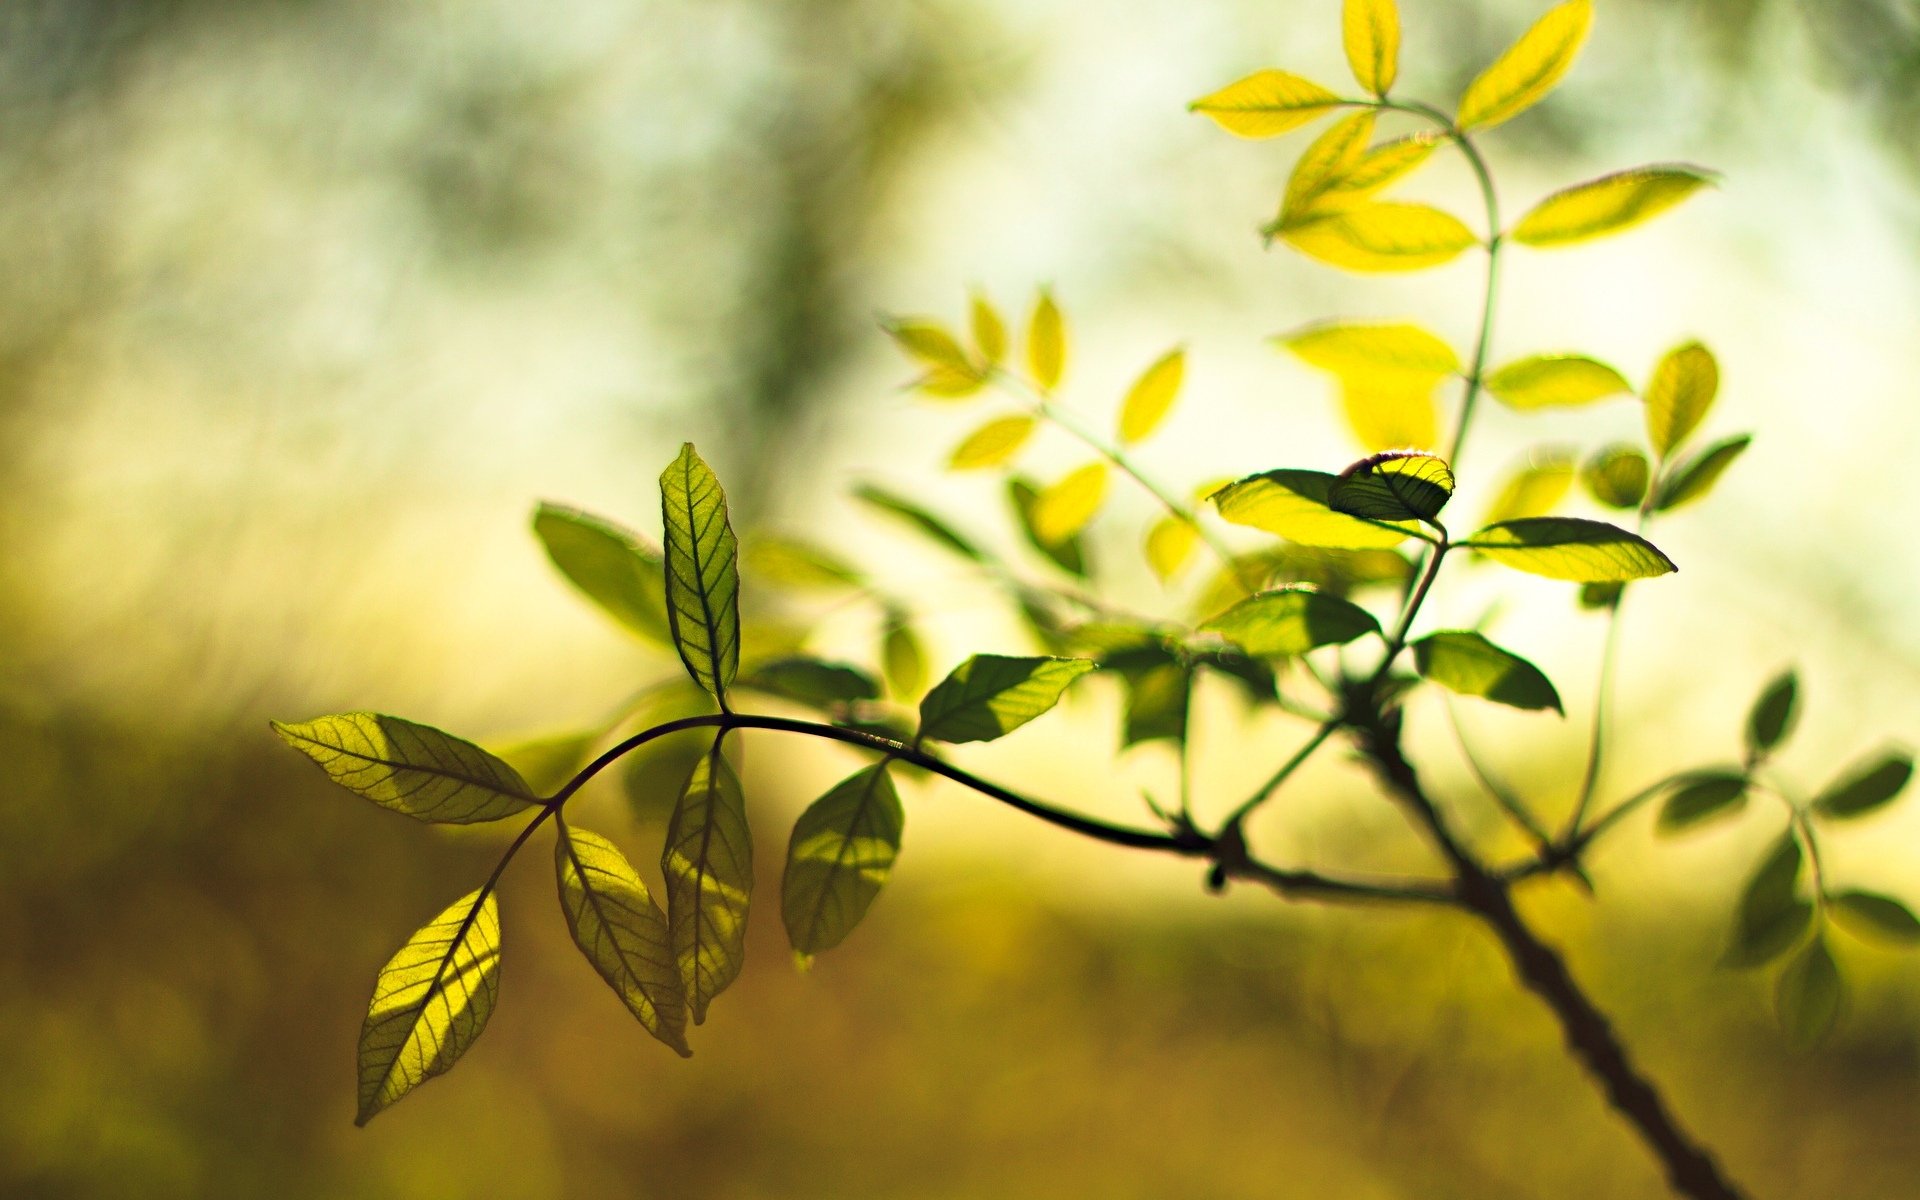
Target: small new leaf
[
  {"x": 992, "y": 444},
  {"x": 842, "y": 850},
  {"x": 1877, "y": 916},
  {"x": 1770, "y": 916},
  {"x": 1266, "y": 104},
  {"x": 1700, "y": 798},
  {"x": 991, "y": 695},
  {"x": 1152, "y": 396},
  {"x": 1809, "y": 995},
  {"x": 611, "y": 565},
  {"x": 1289, "y": 621},
  {"x": 1467, "y": 663},
  {"x": 1401, "y": 485},
  {"x": 1046, "y": 343},
  {"x": 1608, "y": 204},
  {"x": 1772, "y": 716},
  {"x": 1371, "y": 33},
  {"x": 1617, "y": 476},
  {"x": 708, "y": 865},
  {"x": 1685, "y": 484},
  {"x": 1555, "y": 381},
  {"x": 1294, "y": 504},
  {"x": 412, "y": 769},
  {"x": 621, "y": 931},
  {"x": 702, "y": 571},
  {"x": 1519, "y": 78},
  {"x": 1571, "y": 548},
  {"x": 1378, "y": 236},
  {"x": 1866, "y": 787},
  {"x": 1679, "y": 395}
]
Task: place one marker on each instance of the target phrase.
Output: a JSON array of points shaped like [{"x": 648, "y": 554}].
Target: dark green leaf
[
  {"x": 621, "y": 931},
  {"x": 990, "y": 695},
  {"x": 611, "y": 565},
  {"x": 1571, "y": 548},
  {"x": 1695, "y": 478},
  {"x": 1773, "y": 715},
  {"x": 412, "y": 769},
  {"x": 813, "y": 681},
  {"x": 1809, "y": 995},
  {"x": 1069, "y": 553},
  {"x": 1770, "y": 916},
  {"x": 1290, "y": 621},
  {"x": 1157, "y": 703},
  {"x": 1601, "y": 595},
  {"x": 932, "y": 527},
  {"x": 703, "y": 574},
  {"x": 708, "y": 864},
  {"x": 842, "y": 850},
  {"x": 1469, "y": 664},
  {"x": 1865, "y": 788},
  {"x": 1702, "y": 796},
  {"x": 1617, "y": 476},
  {"x": 1400, "y": 485},
  {"x": 1872, "y": 913}
]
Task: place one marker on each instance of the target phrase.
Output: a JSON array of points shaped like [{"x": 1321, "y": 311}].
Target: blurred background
[{"x": 304, "y": 305}]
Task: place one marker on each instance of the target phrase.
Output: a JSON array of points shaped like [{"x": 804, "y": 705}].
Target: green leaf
[
  {"x": 1371, "y": 236},
  {"x": 1158, "y": 700},
  {"x": 1400, "y": 485},
  {"x": 1289, "y": 621},
  {"x": 1700, "y": 797},
  {"x": 930, "y": 526},
  {"x": 545, "y": 763},
  {"x": 1151, "y": 396},
  {"x": 813, "y": 681},
  {"x": 1046, "y": 342},
  {"x": 1571, "y": 548},
  {"x": 1519, "y": 78},
  {"x": 708, "y": 864},
  {"x": 795, "y": 563},
  {"x": 842, "y": 850},
  {"x": 430, "y": 1002},
  {"x": 1682, "y": 390},
  {"x": 621, "y": 931},
  {"x": 1809, "y": 995},
  {"x": 1266, "y": 104},
  {"x": 1294, "y": 505},
  {"x": 1068, "y": 553},
  {"x": 1865, "y": 788},
  {"x": 703, "y": 574},
  {"x": 1876, "y": 916},
  {"x": 989, "y": 331},
  {"x": 1770, "y": 916},
  {"x": 1469, "y": 664},
  {"x": 990, "y": 695},
  {"x": 1533, "y": 490},
  {"x": 412, "y": 769},
  {"x": 1773, "y": 715},
  {"x": 1349, "y": 348},
  {"x": 928, "y": 341},
  {"x": 1370, "y": 30},
  {"x": 992, "y": 444},
  {"x": 1608, "y": 204},
  {"x": 903, "y": 660},
  {"x": 652, "y": 775},
  {"x": 1690, "y": 482},
  {"x": 1601, "y": 595},
  {"x": 611, "y": 565},
  {"x": 1617, "y": 476},
  {"x": 1555, "y": 381}
]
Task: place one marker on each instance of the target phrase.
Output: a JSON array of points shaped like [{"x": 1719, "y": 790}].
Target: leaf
[
  {"x": 1391, "y": 413},
  {"x": 1809, "y": 995},
  {"x": 1865, "y": 788},
  {"x": 1555, "y": 381},
  {"x": 842, "y": 850},
  {"x": 412, "y": 769},
  {"x": 611, "y": 565},
  {"x": 1266, "y": 104},
  {"x": 1469, "y": 664},
  {"x": 813, "y": 681},
  {"x": 1152, "y": 396},
  {"x": 653, "y": 775},
  {"x": 1679, "y": 395},
  {"x": 989, "y": 331},
  {"x": 1770, "y": 916},
  {"x": 703, "y": 574},
  {"x": 1617, "y": 476},
  {"x": 1370, "y": 30},
  {"x": 1685, "y": 484},
  {"x": 1064, "y": 508},
  {"x": 1379, "y": 236},
  {"x": 545, "y": 763},
  {"x": 1533, "y": 490},
  {"x": 1290, "y": 621},
  {"x": 621, "y": 931},
  {"x": 430, "y": 1002},
  {"x": 1323, "y": 163},
  {"x": 1877, "y": 915},
  {"x": 1526, "y": 72},
  {"x": 946, "y": 383},
  {"x": 1773, "y": 715},
  {"x": 930, "y": 526},
  {"x": 1401, "y": 485},
  {"x": 1046, "y": 342},
  {"x": 903, "y": 661},
  {"x": 991, "y": 695},
  {"x": 1601, "y": 595},
  {"x": 797, "y": 563},
  {"x": 1069, "y": 553},
  {"x": 1701, "y": 797},
  {"x": 1571, "y": 548},
  {"x": 1293, "y": 504},
  {"x": 708, "y": 864},
  {"x": 992, "y": 444},
  {"x": 1354, "y": 349},
  {"x": 1170, "y": 544},
  {"x": 929, "y": 342},
  {"x": 1381, "y": 165},
  {"x": 1158, "y": 700},
  {"x": 1608, "y": 204}
]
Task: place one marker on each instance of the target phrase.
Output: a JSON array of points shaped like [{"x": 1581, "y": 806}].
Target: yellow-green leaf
[
  {"x": 1151, "y": 396},
  {"x": 1555, "y": 381},
  {"x": 992, "y": 444},
  {"x": 1046, "y": 342},
  {"x": 430, "y": 1002},
  {"x": 621, "y": 931},
  {"x": 1391, "y": 411},
  {"x": 1533, "y": 490},
  {"x": 1265, "y": 104},
  {"x": 1527, "y": 71},
  {"x": 548, "y": 762},
  {"x": 1378, "y": 167},
  {"x": 610, "y": 564},
  {"x": 1617, "y": 476},
  {"x": 702, "y": 570},
  {"x": 1293, "y": 504},
  {"x": 1401, "y": 485},
  {"x": 1683, "y": 388},
  {"x": 902, "y": 659},
  {"x": 842, "y": 850},
  {"x": 1289, "y": 621},
  {"x": 1770, "y": 916},
  {"x": 1064, "y": 509},
  {"x": 708, "y": 865},
  {"x": 991, "y": 694},
  {"x": 1608, "y": 204},
  {"x": 1380, "y": 236},
  {"x": 1571, "y": 548},
  {"x": 797, "y": 563},
  {"x": 1693, "y": 479},
  {"x": 1809, "y": 995},
  {"x": 989, "y": 331},
  {"x": 1353, "y": 349},
  {"x": 929, "y": 342},
  {"x": 1170, "y": 544},
  {"x": 1371, "y": 31},
  {"x": 1467, "y": 663},
  {"x": 1324, "y": 161},
  {"x": 412, "y": 769},
  {"x": 1877, "y": 916}
]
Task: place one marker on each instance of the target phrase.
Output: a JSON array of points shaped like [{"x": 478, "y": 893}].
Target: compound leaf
[
  {"x": 412, "y": 769},
  {"x": 1289, "y": 621},
  {"x": 1555, "y": 381},
  {"x": 1152, "y": 396},
  {"x": 1865, "y": 788},
  {"x": 992, "y": 444},
  {"x": 1685, "y": 484},
  {"x": 621, "y": 931},
  {"x": 1571, "y": 548},
  {"x": 1371, "y": 33},
  {"x": 1608, "y": 204},
  {"x": 991, "y": 695},
  {"x": 1682, "y": 390},
  {"x": 1526, "y": 72},
  {"x": 1467, "y": 663},
  {"x": 1401, "y": 485},
  {"x": 702, "y": 571},
  {"x": 843, "y": 848},
  {"x": 1293, "y": 504},
  {"x": 1266, "y": 104},
  {"x": 611, "y": 565},
  {"x": 708, "y": 865}
]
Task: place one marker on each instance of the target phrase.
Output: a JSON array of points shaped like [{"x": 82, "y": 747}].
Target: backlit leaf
[
  {"x": 1555, "y": 381},
  {"x": 412, "y": 769},
  {"x": 1350, "y": 348},
  {"x": 653, "y": 775},
  {"x": 1046, "y": 342},
  {"x": 1770, "y": 916},
  {"x": 611, "y": 565},
  {"x": 1158, "y": 700},
  {"x": 1170, "y": 544},
  {"x": 1773, "y": 715},
  {"x": 1391, "y": 412},
  {"x": 708, "y": 866},
  {"x": 1617, "y": 476},
  {"x": 929, "y": 342},
  {"x": 1701, "y": 797},
  {"x": 1608, "y": 204},
  {"x": 1380, "y": 166},
  {"x": 430, "y": 1002},
  {"x": 1877, "y": 915},
  {"x": 796, "y": 563},
  {"x": 1324, "y": 161},
  {"x": 1526, "y": 72},
  {"x": 1064, "y": 508},
  {"x": 990, "y": 695},
  {"x": 949, "y": 383},
  {"x": 1290, "y": 621},
  {"x": 903, "y": 661},
  {"x": 1866, "y": 787},
  {"x": 1293, "y": 504},
  {"x": 1371, "y": 32},
  {"x": 1533, "y": 490},
  {"x": 1809, "y": 995},
  {"x": 1068, "y": 553},
  {"x": 930, "y": 526},
  {"x": 1469, "y": 664},
  {"x": 842, "y": 850},
  {"x": 992, "y": 444},
  {"x": 703, "y": 575},
  {"x": 621, "y": 931},
  {"x": 547, "y": 762},
  {"x": 1151, "y": 396},
  {"x": 1401, "y": 485},
  {"x": 989, "y": 331},
  {"x": 1694, "y": 479},
  {"x": 1571, "y": 548},
  {"x": 1379, "y": 236},
  {"x": 1265, "y": 104},
  {"x": 1679, "y": 395},
  {"x": 813, "y": 681}
]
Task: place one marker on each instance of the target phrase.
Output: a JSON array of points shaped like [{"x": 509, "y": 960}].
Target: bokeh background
[{"x": 304, "y": 305}]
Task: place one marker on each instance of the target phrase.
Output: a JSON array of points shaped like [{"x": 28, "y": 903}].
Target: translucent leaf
[
  {"x": 1293, "y": 504},
  {"x": 1324, "y": 161},
  {"x": 1555, "y": 381},
  {"x": 1865, "y": 788},
  {"x": 813, "y": 681},
  {"x": 1701, "y": 797},
  {"x": 1380, "y": 166},
  {"x": 412, "y": 769},
  {"x": 1170, "y": 544},
  {"x": 1401, "y": 485},
  {"x": 1770, "y": 916},
  {"x": 989, "y": 331},
  {"x": 1571, "y": 548},
  {"x": 1877, "y": 916},
  {"x": 929, "y": 342},
  {"x": 930, "y": 526},
  {"x": 652, "y": 776},
  {"x": 1068, "y": 553},
  {"x": 430, "y": 1002},
  {"x": 1519, "y": 78},
  {"x": 991, "y": 695},
  {"x": 703, "y": 574},
  {"x": 992, "y": 444},
  {"x": 948, "y": 383},
  {"x": 1379, "y": 236},
  {"x": 545, "y": 763},
  {"x": 1265, "y": 104},
  {"x": 621, "y": 931},
  {"x": 1693, "y": 480},
  {"x": 1354, "y": 349},
  {"x": 1064, "y": 508},
  {"x": 1151, "y": 396},
  {"x": 903, "y": 661},
  {"x": 842, "y": 850},
  {"x": 1391, "y": 412},
  {"x": 1809, "y": 995},
  {"x": 708, "y": 865},
  {"x": 1617, "y": 476},
  {"x": 1608, "y": 204},
  {"x": 1289, "y": 621},
  {"x": 1679, "y": 395},
  {"x": 796, "y": 563},
  {"x": 1533, "y": 490},
  {"x": 1157, "y": 704},
  {"x": 1371, "y": 32},
  {"x": 1773, "y": 715},
  {"x": 611, "y": 565},
  {"x": 1046, "y": 342},
  {"x": 1469, "y": 664}
]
